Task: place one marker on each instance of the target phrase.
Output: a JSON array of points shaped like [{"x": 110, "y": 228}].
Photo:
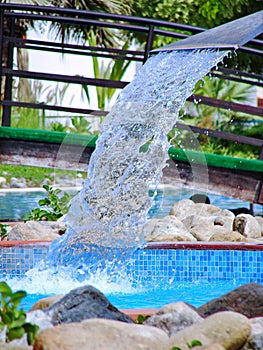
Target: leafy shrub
[
  {"x": 13, "y": 318},
  {"x": 55, "y": 206}
]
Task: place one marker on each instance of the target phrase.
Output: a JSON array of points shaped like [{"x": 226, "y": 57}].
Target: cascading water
[{"x": 109, "y": 213}]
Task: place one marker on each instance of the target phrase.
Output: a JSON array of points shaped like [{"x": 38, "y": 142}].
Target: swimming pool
[
  {"x": 162, "y": 273},
  {"x": 155, "y": 276}
]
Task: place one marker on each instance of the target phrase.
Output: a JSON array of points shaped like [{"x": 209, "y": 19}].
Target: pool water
[
  {"x": 159, "y": 276},
  {"x": 151, "y": 278},
  {"x": 15, "y": 204},
  {"x": 195, "y": 293}
]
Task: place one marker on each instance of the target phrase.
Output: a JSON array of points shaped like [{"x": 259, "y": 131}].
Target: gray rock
[
  {"x": 255, "y": 340},
  {"x": 246, "y": 299},
  {"x": 17, "y": 183},
  {"x": 84, "y": 303},
  {"x": 174, "y": 317}
]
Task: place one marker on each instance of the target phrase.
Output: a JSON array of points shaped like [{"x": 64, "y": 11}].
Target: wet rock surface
[{"x": 84, "y": 303}]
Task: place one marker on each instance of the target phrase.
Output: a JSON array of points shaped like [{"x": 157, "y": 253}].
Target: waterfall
[{"x": 109, "y": 213}]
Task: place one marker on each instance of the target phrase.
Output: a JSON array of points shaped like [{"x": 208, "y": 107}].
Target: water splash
[{"x": 107, "y": 217}]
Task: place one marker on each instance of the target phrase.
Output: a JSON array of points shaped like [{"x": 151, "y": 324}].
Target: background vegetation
[{"x": 201, "y": 13}]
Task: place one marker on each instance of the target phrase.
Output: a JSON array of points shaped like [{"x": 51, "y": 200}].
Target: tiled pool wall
[
  {"x": 180, "y": 262},
  {"x": 190, "y": 265},
  {"x": 17, "y": 260}
]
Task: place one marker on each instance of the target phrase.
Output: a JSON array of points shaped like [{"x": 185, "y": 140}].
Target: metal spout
[{"x": 231, "y": 35}]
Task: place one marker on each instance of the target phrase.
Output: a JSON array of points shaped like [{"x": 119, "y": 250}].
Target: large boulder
[
  {"x": 246, "y": 299},
  {"x": 182, "y": 209},
  {"x": 202, "y": 220},
  {"x": 168, "y": 228},
  {"x": 227, "y": 236},
  {"x": 83, "y": 303},
  {"x": 260, "y": 222},
  {"x": 102, "y": 334},
  {"x": 36, "y": 230},
  {"x": 46, "y": 302},
  {"x": 229, "y": 329},
  {"x": 174, "y": 317}
]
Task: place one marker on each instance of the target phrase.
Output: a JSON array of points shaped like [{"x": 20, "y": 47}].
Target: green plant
[
  {"x": 190, "y": 345},
  {"x": 142, "y": 318},
  {"x": 216, "y": 118},
  {"x": 58, "y": 127},
  {"x": 3, "y": 230},
  {"x": 80, "y": 125},
  {"x": 55, "y": 206},
  {"x": 106, "y": 69},
  {"x": 14, "y": 318}
]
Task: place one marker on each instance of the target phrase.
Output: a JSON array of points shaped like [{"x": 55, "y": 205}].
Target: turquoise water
[
  {"x": 16, "y": 204},
  {"x": 154, "y": 277},
  {"x": 195, "y": 293}
]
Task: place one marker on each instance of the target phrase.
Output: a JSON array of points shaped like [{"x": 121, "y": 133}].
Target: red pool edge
[{"x": 157, "y": 245}]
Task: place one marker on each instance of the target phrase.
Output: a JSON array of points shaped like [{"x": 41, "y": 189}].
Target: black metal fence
[{"x": 148, "y": 29}]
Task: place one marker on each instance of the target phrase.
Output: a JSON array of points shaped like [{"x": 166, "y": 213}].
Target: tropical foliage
[
  {"x": 226, "y": 90},
  {"x": 13, "y": 318}
]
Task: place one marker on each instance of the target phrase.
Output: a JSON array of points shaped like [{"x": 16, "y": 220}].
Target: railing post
[
  {"x": 149, "y": 42},
  {"x": 1, "y": 48},
  {"x": 6, "y": 117}
]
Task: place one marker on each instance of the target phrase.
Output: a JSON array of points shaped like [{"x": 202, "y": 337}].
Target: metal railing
[{"x": 149, "y": 28}]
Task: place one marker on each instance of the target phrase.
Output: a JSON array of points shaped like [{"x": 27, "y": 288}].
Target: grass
[{"x": 35, "y": 176}]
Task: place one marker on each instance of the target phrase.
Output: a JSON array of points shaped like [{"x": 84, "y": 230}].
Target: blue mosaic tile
[{"x": 178, "y": 264}]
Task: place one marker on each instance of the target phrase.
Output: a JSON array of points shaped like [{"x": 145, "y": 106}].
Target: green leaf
[
  {"x": 47, "y": 188},
  {"x": 44, "y": 201},
  {"x": 31, "y": 330},
  {"x": 194, "y": 343},
  {"x": 15, "y": 333},
  {"x": 5, "y": 289},
  {"x": 17, "y": 297},
  {"x": 7, "y": 318},
  {"x": 18, "y": 323}
]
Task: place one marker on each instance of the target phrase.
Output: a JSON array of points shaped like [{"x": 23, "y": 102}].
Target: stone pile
[
  {"x": 186, "y": 222},
  {"x": 85, "y": 320},
  {"x": 190, "y": 222}
]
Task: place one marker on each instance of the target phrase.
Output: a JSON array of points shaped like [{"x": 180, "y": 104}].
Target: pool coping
[{"x": 155, "y": 245}]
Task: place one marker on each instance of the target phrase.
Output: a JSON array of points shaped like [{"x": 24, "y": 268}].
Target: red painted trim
[
  {"x": 10, "y": 244},
  {"x": 204, "y": 245},
  {"x": 134, "y": 313},
  {"x": 158, "y": 245}
]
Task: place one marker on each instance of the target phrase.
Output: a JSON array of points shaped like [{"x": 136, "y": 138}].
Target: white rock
[
  {"x": 247, "y": 225},
  {"x": 168, "y": 228}
]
